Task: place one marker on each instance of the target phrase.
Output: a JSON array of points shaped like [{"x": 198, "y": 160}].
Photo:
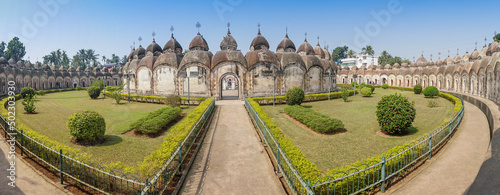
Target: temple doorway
[{"x": 229, "y": 87}]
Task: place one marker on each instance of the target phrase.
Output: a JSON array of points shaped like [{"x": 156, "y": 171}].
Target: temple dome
[
  {"x": 286, "y": 45},
  {"x": 474, "y": 55},
  {"x": 259, "y": 42},
  {"x": 172, "y": 45},
  {"x": 305, "y": 48},
  {"x": 154, "y": 48},
  {"x": 198, "y": 43},
  {"x": 228, "y": 42},
  {"x": 140, "y": 52},
  {"x": 319, "y": 52},
  {"x": 421, "y": 61}
]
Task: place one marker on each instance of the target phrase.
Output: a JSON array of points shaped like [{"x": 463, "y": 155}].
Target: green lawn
[
  {"x": 359, "y": 118},
  {"x": 54, "y": 110}
]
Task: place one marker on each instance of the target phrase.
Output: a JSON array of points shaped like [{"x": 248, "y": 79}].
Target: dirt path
[
  {"x": 454, "y": 169},
  {"x": 232, "y": 160}
]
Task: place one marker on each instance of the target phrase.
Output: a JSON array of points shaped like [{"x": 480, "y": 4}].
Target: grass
[
  {"x": 54, "y": 110},
  {"x": 359, "y": 118}
]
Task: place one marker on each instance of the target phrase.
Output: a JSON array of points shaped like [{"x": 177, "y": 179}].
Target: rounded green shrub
[
  {"x": 372, "y": 87},
  {"x": 78, "y": 88},
  {"x": 385, "y": 86},
  {"x": 295, "y": 96},
  {"x": 366, "y": 92},
  {"x": 417, "y": 89},
  {"x": 395, "y": 113},
  {"x": 431, "y": 91},
  {"x": 86, "y": 125},
  {"x": 94, "y": 92},
  {"x": 27, "y": 92}
]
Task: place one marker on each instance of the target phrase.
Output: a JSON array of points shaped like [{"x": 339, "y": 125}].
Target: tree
[
  {"x": 124, "y": 59},
  {"x": 367, "y": 50},
  {"x": 351, "y": 53},
  {"x": 104, "y": 59},
  {"x": 497, "y": 38},
  {"x": 384, "y": 57},
  {"x": 340, "y": 53},
  {"x": 2, "y": 49},
  {"x": 15, "y": 50},
  {"x": 57, "y": 58},
  {"x": 92, "y": 57}
]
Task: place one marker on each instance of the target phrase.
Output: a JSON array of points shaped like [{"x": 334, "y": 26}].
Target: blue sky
[{"x": 111, "y": 26}]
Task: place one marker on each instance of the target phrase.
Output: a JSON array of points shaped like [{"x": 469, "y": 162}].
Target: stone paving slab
[{"x": 232, "y": 160}]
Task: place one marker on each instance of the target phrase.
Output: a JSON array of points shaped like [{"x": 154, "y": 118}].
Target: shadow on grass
[
  {"x": 111, "y": 140},
  {"x": 307, "y": 106}
]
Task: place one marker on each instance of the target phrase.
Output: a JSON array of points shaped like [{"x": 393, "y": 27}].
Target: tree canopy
[
  {"x": 367, "y": 50},
  {"x": 497, "y": 38},
  {"x": 15, "y": 50},
  {"x": 2, "y": 48},
  {"x": 340, "y": 53},
  {"x": 57, "y": 58}
]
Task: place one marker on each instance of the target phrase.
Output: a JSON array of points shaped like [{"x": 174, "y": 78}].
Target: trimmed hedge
[
  {"x": 385, "y": 86},
  {"x": 155, "y": 124},
  {"x": 158, "y": 99},
  {"x": 176, "y": 134},
  {"x": 308, "y": 98},
  {"x": 316, "y": 121}
]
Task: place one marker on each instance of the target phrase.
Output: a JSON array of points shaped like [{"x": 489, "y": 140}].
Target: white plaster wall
[
  {"x": 165, "y": 80},
  {"x": 293, "y": 77},
  {"x": 143, "y": 80}
]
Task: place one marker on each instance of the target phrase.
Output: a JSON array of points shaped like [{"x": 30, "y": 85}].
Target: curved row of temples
[
  {"x": 477, "y": 73},
  {"x": 161, "y": 71}
]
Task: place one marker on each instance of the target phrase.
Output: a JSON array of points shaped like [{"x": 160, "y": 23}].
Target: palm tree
[
  {"x": 351, "y": 53},
  {"x": 92, "y": 57},
  {"x": 368, "y": 50},
  {"x": 384, "y": 57},
  {"x": 104, "y": 59}
]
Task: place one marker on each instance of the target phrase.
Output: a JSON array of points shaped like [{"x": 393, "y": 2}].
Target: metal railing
[
  {"x": 157, "y": 183},
  {"x": 292, "y": 177},
  {"x": 365, "y": 176},
  {"x": 100, "y": 178}
]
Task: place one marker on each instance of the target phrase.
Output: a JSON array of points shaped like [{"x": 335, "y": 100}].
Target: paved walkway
[
  {"x": 28, "y": 181},
  {"x": 454, "y": 169},
  {"x": 232, "y": 160}
]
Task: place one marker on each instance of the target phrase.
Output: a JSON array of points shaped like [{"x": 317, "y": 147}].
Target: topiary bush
[
  {"x": 27, "y": 92},
  {"x": 86, "y": 125},
  {"x": 372, "y": 87},
  {"x": 354, "y": 84},
  {"x": 385, "y": 86},
  {"x": 417, "y": 89},
  {"x": 431, "y": 91},
  {"x": 295, "y": 96},
  {"x": 94, "y": 92},
  {"x": 395, "y": 113},
  {"x": 366, "y": 92}
]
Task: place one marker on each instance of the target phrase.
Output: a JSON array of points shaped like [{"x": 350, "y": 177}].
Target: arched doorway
[
  {"x": 229, "y": 86},
  {"x": 384, "y": 81}
]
